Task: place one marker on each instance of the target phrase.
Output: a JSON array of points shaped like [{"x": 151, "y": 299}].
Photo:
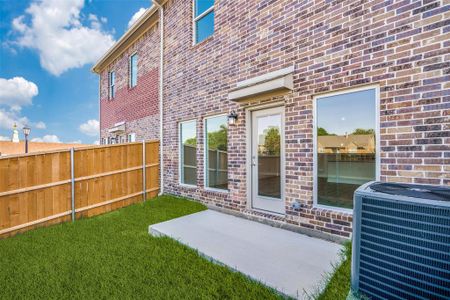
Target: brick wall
[
  {"x": 401, "y": 46},
  {"x": 137, "y": 106}
]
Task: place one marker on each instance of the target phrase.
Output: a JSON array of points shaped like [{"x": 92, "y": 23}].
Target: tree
[
  {"x": 191, "y": 142},
  {"x": 217, "y": 140},
  {"x": 322, "y": 131},
  {"x": 272, "y": 141},
  {"x": 359, "y": 131}
]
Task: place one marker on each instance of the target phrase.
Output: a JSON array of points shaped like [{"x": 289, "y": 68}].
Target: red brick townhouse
[
  {"x": 279, "y": 110},
  {"x": 129, "y": 85}
]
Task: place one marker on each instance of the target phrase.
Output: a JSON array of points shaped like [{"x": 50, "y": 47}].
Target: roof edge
[{"x": 97, "y": 68}]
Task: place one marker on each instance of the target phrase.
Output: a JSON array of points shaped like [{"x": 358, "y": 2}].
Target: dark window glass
[
  {"x": 346, "y": 146},
  {"x": 188, "y": 138},
  {"x": 216, "y": 152}
]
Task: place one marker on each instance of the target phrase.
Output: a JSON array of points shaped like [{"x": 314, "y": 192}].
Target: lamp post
[{"x": 26, "y": 132}]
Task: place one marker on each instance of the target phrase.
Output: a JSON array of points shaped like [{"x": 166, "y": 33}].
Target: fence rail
[{"x": 45, "y": 188}]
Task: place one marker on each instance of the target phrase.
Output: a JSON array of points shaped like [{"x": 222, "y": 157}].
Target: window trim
[
  {"x": 196, "y": 19},
  {"x": 111, "y": 87},
  {"x": 130, "y": 66},
  {"x": 180, "y": 153},
  {"x": 131, "y": 137},
  {"x": 377, "y": 140},
  {"x": 205, "y": 146}
]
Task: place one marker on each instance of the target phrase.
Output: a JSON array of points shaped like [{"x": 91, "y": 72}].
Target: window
[
  {"x": 203, "y": 19},
  {"x": 345, "y": 152},
  {"x": 131, "y": 137},
  {"x": 188, "y": 155},
  {"x": 216, "y": 156},
  {"x": 112, "y": 84},
  {"x": 133, "y": 70}
]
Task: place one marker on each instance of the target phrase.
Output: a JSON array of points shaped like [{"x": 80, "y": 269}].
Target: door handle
[{"x": 253, "y": 161}]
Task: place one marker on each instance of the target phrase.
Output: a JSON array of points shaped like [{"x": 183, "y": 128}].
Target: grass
[
  {"x": 339, "y": 283},
  {"x": 113, "y": 256}
]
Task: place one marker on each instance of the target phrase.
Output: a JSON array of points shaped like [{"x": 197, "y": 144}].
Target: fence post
[
  {"x": 144, "y": 193},
  {"x": 72, "y": 182}
]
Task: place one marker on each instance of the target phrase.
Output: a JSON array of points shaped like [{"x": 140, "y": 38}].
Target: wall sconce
[{"x": 232, "y": 118}]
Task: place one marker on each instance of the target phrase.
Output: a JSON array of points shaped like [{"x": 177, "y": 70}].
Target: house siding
[
  {"x": 402, "y": 47},
  {"x": 138, "y": 107}
]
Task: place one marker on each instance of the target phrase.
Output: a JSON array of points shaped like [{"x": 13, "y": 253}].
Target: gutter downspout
[{"x": 161, "y": 95}]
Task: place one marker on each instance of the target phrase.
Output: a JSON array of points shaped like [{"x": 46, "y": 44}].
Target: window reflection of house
[{"x": 361, "y": 143}]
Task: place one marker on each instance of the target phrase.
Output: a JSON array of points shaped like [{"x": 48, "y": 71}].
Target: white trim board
[{"x": 278, "y": 80}]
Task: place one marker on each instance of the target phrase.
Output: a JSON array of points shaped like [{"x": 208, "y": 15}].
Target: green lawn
[
  {"x": 339, "y": 283},
  {"x": 113, "y": 256}
]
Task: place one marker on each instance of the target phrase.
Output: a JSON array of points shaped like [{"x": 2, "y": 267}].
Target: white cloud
[
  {"x": 5, "y": 138},
  {"x": 136, "y": 16},
  {"x": 95, "y": 22},
  {"x": 9, "y": 118},
  {"x": 74, "y": 142},
  {"x": 17, "y": 92},
  {"x": 55, "y": 30},
  {"x": 90, "y": 128},
  {"x": 40, "y": 125},
  {"x": 49, "y": 138},
  {"x": 97, "y": 142}
]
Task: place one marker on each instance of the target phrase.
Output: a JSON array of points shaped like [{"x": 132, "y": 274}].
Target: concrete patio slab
[{"x": 292, "y": 263}]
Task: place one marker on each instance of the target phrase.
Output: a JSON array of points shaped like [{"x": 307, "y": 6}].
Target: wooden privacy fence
[{"x": 39, "y": 189}]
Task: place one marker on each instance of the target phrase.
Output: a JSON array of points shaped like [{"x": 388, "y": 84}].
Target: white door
[{"x": 267, "y": 160}]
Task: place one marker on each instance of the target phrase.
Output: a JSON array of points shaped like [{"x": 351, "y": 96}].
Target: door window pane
[
  {"x": 188, "y": 160},
  {"x": 346, "y": 145},
  {"x": 216, "y": 152},
  {"x": 269, "y": 156}
]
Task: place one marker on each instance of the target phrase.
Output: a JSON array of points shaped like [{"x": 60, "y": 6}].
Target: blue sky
[{"x": 47, "y": 49}]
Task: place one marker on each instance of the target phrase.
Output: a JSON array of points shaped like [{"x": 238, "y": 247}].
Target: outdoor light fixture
[
  {"x": 232, "y": 118},
  {"x": 26, "y": 132}
]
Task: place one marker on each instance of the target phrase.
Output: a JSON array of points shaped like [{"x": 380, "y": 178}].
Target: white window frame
[
  {"x": 205, "y": 155},
  {"x": 180, "y": 153},
  {"x": 111, "y": 86},
  {"x": 131, "y": 137},
  {"x": 377, "y": 140},
  {"x": 130, "y": 69},
  {"x": 195, "y": 19}
]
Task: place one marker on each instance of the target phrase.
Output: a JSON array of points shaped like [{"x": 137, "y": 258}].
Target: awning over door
[{"x": 270, "y": 82}]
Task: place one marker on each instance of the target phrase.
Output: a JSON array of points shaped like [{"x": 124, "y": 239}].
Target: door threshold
[{"x": 266, "y": 212}]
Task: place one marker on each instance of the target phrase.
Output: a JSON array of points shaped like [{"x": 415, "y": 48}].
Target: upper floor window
[
  {"x": 203, "y": 19},
  {"x": 133, "y": 70},
  {"x": 112, "y": 84}
]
